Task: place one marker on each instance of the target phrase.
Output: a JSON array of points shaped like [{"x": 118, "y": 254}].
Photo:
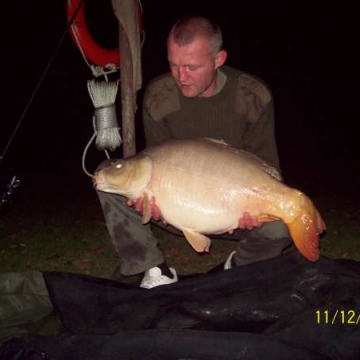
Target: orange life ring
[{"x": 82, "y": 38}]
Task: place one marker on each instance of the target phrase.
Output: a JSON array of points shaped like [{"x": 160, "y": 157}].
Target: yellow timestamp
[{"x": 345, "y": 317}]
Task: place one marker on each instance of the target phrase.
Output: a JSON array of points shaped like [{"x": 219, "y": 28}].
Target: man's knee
[
  {"x": 269, "y": 241},
  {"x": 273, "y": 230}
]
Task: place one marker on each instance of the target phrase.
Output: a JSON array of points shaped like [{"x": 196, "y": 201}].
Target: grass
[
  {"x": 342, "y": 238},
  {"x": 50, "y": 230}
]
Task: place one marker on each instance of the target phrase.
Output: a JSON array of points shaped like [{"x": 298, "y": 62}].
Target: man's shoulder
[
  {"x": 161, "y": 96},
  {"x": 161, "y": 83},
  {"x": 250, "y": 83}
]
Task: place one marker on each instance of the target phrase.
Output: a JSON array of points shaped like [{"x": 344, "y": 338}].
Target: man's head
[{"x": 195, "y": 53}]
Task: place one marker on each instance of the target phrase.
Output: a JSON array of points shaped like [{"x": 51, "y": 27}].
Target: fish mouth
[
  {"x": 98, "y": 180},
  {"x": 100, "y": 184}
]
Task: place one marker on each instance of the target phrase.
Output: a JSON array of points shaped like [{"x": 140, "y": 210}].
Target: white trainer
[
  {"x": 227, "y": 264},
  {"x": 154, "y": 277}
]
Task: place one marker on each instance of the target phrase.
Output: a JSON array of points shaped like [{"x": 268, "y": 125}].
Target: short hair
[{"x": 187, "y": 29}]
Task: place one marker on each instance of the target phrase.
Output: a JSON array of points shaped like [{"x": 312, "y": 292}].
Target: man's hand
[{"x": 248, "y": 222}]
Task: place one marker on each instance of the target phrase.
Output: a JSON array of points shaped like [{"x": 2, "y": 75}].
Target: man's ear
[{"x": 220, "y": 58}]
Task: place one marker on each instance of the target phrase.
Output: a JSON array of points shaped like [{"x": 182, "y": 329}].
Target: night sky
[{"x": 305, "y": 52}]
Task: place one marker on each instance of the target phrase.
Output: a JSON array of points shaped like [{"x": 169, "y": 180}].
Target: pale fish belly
[{"x": 202, "y": 207}]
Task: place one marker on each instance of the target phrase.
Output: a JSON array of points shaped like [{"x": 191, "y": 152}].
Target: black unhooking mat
[{"x": 283, "y": 308}]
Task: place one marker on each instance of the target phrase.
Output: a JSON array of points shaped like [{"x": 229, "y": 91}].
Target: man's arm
[
  {"x": 160, "y": 99},
  {"x": 254, "y": 100},
  {"x": 155, "y": 131},
  {"x": 261, "y": 139}
]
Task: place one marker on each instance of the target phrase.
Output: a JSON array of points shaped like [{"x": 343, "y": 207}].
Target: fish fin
[
  {"x": 216, "y": 141},
  {"x": 266, "y": 218},
  {"x": 146, "y": 210},
  {"x": 305, "y": 229},
  {"x": 198, "y": 241}
]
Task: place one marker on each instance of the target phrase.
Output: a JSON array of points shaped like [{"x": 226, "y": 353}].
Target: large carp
[{"x": 204, "y": 186}]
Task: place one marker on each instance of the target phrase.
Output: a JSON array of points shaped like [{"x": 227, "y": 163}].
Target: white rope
[
  {"x": 87, "y": 148},
  {"x": 105, "y": 125},
  {"x": 103, "y": 95}
]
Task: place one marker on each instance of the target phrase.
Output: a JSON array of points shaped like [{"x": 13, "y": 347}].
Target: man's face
[{"x": 193, "y": 67}]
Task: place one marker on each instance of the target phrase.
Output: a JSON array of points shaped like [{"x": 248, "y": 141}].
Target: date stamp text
[{"x": 332, "y": 317}]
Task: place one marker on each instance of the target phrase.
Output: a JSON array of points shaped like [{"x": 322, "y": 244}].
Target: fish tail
[{"x": 306, "y": 228}]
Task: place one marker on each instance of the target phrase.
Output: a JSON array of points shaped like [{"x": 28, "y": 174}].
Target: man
[{"x": 199, "y": 98}]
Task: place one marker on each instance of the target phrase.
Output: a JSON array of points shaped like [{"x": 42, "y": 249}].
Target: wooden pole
[
  {"x": 128, "y": 101},
  {"x": 127, "y": 14}
]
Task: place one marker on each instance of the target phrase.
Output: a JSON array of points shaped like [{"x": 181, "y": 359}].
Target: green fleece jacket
[{"x": 241, "y": 114}]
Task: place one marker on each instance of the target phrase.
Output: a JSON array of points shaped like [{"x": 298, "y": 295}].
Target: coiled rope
[{"x": 106, "y": 127}]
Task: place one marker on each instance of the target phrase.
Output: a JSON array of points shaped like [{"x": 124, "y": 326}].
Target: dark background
[{"x": 305, "y": 52}]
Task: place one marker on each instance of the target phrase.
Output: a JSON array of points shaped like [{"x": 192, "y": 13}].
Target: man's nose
[{"x": 182, "y": 74}]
